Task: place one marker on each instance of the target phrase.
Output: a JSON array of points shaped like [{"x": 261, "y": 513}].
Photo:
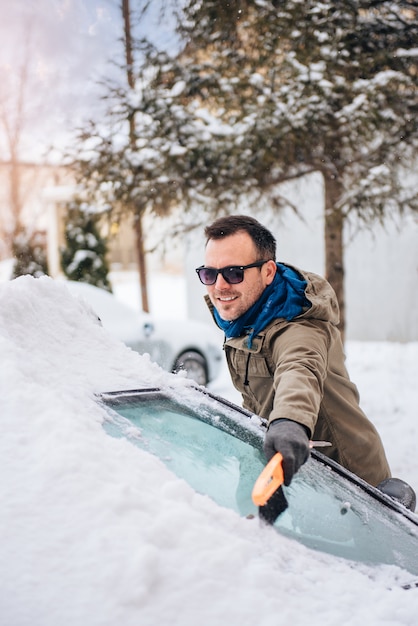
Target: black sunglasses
[{"x": 233, "y": 274}]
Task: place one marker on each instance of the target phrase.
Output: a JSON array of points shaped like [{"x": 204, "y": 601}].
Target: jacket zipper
[{"x": 247, "y": 366}]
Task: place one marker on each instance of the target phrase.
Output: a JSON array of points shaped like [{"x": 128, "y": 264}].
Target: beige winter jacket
[{"x": 296, "y": 370}]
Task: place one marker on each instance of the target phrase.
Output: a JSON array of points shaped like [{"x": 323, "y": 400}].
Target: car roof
[{"x": 119, "y": 319}]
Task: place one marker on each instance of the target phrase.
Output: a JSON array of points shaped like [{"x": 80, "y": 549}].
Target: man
[{"x": 284, "y": 350}]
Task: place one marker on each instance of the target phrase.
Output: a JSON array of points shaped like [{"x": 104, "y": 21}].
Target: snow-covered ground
[{"x": 95, "y": 532}]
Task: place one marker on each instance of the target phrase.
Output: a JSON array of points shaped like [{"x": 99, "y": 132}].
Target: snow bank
[{"x": 97, "y": 532}]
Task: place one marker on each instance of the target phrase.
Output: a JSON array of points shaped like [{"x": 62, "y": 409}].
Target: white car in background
[{"x": 174, "y": 344}]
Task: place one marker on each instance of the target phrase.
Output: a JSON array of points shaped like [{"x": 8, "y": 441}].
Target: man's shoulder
[{"x": 322, "y": 297}]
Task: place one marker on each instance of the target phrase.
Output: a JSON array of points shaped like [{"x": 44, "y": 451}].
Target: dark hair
[{"x": 264, "y": 241}]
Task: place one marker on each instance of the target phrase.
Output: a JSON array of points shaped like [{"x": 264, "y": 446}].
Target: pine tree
[
  {"x": 29, "y": 252},
  {"x": 267, "y": 91},
  {"x": 84, "y": 256},
  {"x": 263, "y": 92}
]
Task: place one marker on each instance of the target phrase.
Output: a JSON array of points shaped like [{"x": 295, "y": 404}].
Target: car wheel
[{"x": 194, "y": 364}]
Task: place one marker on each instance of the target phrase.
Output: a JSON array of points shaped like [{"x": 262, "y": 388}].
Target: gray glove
[{"x": 291, "y": 440}]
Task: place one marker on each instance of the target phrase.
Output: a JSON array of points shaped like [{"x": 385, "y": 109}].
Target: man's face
[{"x": 232, "y": 301}]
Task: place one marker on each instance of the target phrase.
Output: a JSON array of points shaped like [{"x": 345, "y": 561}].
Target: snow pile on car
[{"x": 96, "y": 531}]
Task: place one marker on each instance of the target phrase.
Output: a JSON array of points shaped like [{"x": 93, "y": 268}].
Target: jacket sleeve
[{"x": 300, "y": 360}]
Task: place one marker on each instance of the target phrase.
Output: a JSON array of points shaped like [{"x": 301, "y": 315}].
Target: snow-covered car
[
  {"x": 97, "y": 530},
  {"x": 174, "y": 344},
  {"x": 216, "y": 447}
]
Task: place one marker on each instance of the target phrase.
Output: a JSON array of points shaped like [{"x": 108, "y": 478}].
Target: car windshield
[{"x": 209, "y": 445}]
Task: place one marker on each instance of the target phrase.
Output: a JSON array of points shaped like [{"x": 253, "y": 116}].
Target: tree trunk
[
  {"x": 15, "y": 196},
  {"x": 334, "y": 248},
  {"x": 140, "y": 247},
  {"x": 141, "y": 263}
]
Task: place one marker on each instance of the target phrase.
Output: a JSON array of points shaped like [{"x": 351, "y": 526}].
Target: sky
[
  {"x": 67, "y": 46},
  {"x": 97, "y": 531}
]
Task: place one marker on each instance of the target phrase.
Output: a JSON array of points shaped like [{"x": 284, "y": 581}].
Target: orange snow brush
[{"x": 268, "y": 493}]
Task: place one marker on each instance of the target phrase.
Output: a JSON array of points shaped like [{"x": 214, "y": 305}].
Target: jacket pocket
[
  {"x": 251, "y": 364},
  {"x": 254, "y": 380}
]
